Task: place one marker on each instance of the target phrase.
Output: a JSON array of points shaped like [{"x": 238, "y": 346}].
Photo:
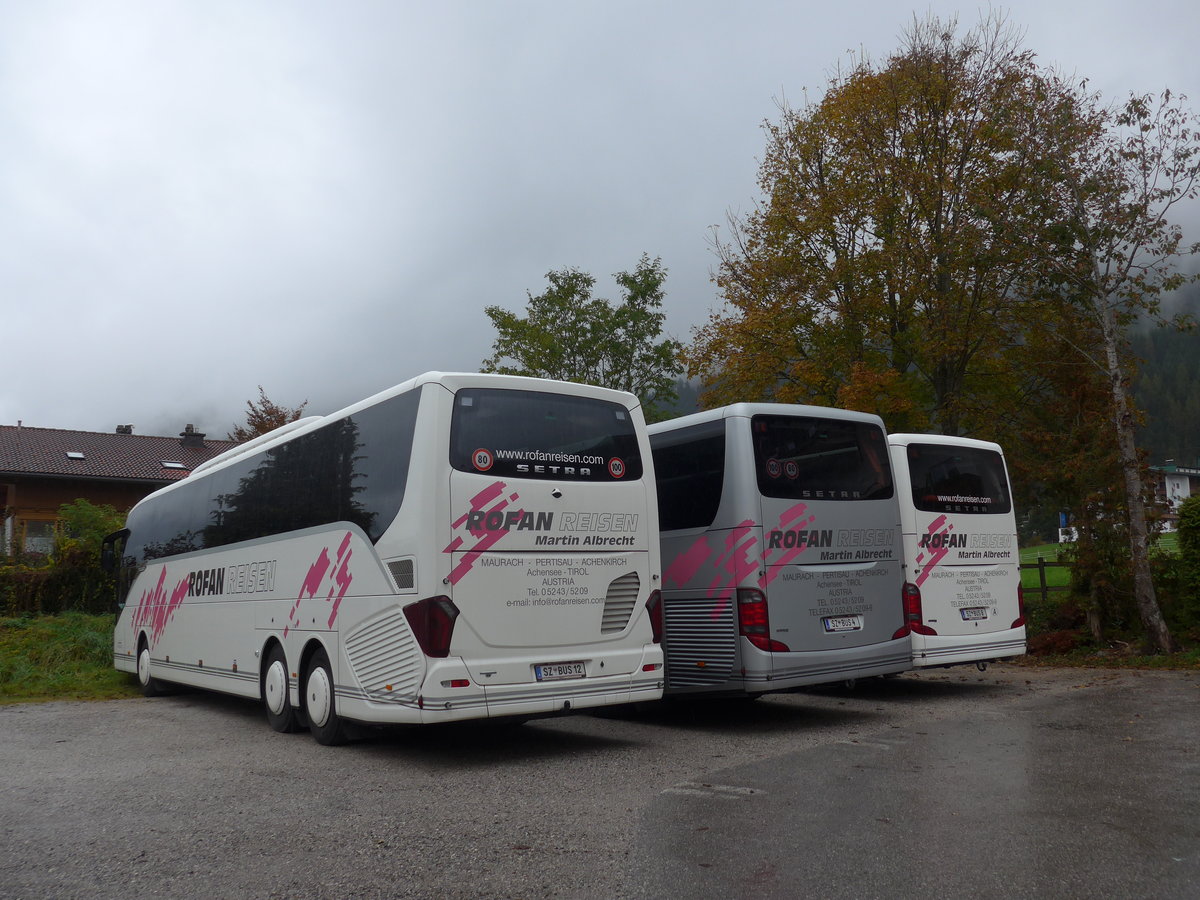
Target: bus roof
[
  {"x": 452, "y": 381},
  {"x": 746, "y": 410},
  {"x": 903, "y": 440}
]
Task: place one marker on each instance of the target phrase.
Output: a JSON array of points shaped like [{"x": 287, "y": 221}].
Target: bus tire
[
  {"x": 320, "y": 705},
  {"x": 281, "y": 715},
  {"x": 151, "y": 687}
]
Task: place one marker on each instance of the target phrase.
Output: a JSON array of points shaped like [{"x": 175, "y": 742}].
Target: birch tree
[{"x": 1132, "y": 167}]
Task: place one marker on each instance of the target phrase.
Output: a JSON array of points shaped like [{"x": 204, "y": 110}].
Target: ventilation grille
[
  {"x": 384, "y": 652},
  {"x": 620, "y": 602},
  {"x": 403, "y": 573},
  {"x": 700, "y": 640}
]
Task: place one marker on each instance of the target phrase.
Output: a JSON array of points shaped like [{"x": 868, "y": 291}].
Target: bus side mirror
[{"x": 109, "y": 559}]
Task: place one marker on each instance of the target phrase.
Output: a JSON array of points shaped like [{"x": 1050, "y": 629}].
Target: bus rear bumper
[
  {"x": 936, "y": 650},
  {"x": 536, "y": 700},
  {"x": 798, "y": 669},
  {"x": 452, "y": 699}
]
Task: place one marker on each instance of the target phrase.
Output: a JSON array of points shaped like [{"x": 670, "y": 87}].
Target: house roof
[
  {"x": 58, "y": 453},
  {"x": 1171, "y": 469}
]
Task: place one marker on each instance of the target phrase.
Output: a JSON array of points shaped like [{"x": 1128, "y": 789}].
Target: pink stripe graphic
[
  {"x": 936, "y": 555},
  {"x": 486, "y": 538},
  {"x": 790, "y": 519},
  {"x": 156, "y": 610},
  {"x": 339, "y": 579}
]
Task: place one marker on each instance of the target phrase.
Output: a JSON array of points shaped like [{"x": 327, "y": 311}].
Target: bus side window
[
  {"x": 689, "y": 471},
  {"x": 112, "y": 561}
]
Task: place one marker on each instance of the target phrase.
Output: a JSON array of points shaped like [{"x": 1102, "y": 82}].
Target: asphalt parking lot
[{"x": 1016, "y": 782}]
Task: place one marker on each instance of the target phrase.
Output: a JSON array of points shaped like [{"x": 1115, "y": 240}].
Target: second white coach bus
[
  {"x": 963, "y": 591},
  {"x": 781, "y": 551},
  {"x": 460, "y": 546}
]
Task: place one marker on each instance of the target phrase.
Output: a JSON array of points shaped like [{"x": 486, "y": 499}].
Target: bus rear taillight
[
  {"x": 912, "y": 610},
  {"x": 432, "y": 622},
  {"x": 754, "y": 623},
  {"x": 1020, "y": 620},
  {"x": 654, "y": 607}
]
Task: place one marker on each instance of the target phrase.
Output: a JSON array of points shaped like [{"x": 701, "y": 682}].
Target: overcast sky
[{"x": 197, "y": 198}]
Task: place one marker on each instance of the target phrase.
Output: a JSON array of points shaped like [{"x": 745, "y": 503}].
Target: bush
[
  {"x": 70, "y": 578},
  {"x": 1058, "y": 612},
  {"x": 1189, "y": 529},
  {"x": 1054, "y": 643},
  {"x": 1177, "y": 577},
  {"x": 34, "y": 591}
]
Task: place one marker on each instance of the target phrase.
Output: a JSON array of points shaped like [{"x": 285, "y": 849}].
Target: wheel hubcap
[
  {"x": 144, "y": 667},
  {"x": 319, "y": 697},
  {"x": 276, "y": 687}
]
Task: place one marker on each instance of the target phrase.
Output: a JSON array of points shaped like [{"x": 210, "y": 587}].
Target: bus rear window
[
  {"x": 808, "y": 458},
  {"x": 952, "y": 479},
  {"x": 531, "y": 434}
]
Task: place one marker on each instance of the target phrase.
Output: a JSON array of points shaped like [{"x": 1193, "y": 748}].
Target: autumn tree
[
  {"x": 879, "y": 270},
  {"x": 937, "y": 235},
  {"x": 570, "y": 335},
  {"x": 1118, "y": 254},
  {"x": 264, "y": 416}
]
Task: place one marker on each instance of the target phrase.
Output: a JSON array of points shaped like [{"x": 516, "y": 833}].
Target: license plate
[
  {"x": 974, "y": 612},
  {"x": 842, "y": 623},
  {"x": 556, "y": 671}
]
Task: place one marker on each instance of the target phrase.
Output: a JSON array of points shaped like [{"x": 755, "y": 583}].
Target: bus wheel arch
[
  {"x": 320, "y": 701},
  {"x": 274, "y": 688},
  {"x": 151, "y": 686}
]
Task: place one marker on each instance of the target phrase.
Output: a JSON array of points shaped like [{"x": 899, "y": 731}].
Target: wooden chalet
[{"x": 43, "y": 468}]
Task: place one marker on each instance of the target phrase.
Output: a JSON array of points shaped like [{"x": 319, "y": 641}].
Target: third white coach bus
[
  {"x": 781, "y": 551},
  {"x": 963, "y": 590},
  {"x": 460, "y": 546}
]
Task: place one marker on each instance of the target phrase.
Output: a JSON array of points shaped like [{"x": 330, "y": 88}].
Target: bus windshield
[
  {"x": 949, "y": 479},
  {"x": 808, "y": 458},
  {"x": 530, "y": 434}
]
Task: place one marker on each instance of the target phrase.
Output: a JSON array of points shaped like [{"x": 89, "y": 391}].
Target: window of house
[{"x": 39, "y": 537}]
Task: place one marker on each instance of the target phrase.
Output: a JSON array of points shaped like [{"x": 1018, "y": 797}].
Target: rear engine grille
[
  {"x": 700, "y": 640},
  {"x": 384, "y": 652},
  {"x": 619, "y": 603}
]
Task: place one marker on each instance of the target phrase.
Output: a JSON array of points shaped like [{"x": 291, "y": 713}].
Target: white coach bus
[
  {"x": 963, "y": 591},
  {"x": 460, "y": 546},
  {"x": 780, "y": 542}
]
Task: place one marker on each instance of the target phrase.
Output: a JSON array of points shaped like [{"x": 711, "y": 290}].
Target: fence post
[{"x": 1042, "y": 576}]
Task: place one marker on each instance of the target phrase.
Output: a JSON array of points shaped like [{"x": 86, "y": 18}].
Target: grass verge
[
  {"x": 1164, "y": 543},
  {"x": 69, "y": 657},
  {"x": 63, "y": 657}
]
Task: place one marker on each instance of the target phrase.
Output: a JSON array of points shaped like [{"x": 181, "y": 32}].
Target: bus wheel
[
  {"x": 151, "y": 687},
  {"x": 319, "y": 703},
  {"x": 280, "y": 714}
]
